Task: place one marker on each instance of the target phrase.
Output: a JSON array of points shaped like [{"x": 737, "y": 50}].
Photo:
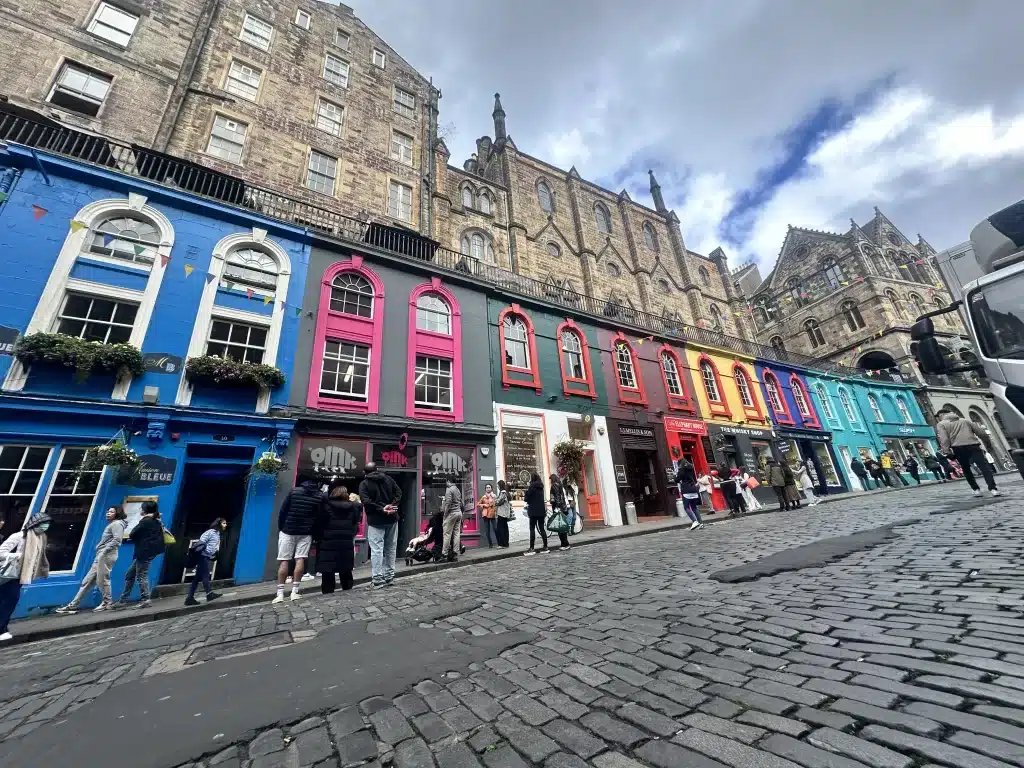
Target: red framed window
[
  {"x": 713, "y": 388},
  {"x": 627, "y": 372},
  {"x": 435, "y": 354},
  {"x": 674, "y": 379},
  {"x": 776, "y": 398},
  {"x": 574, "y": 357},
  {"x": 804, "y": 406},
  {"x": 519, "y": 367},
  {"x": 745, "y": 388}
]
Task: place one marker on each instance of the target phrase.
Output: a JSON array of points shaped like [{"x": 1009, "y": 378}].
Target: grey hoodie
[{"x": 954, "y": 431}]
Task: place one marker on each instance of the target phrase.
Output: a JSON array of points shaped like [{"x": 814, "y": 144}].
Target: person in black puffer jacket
[
  {"x": 295, "y": 523},
  {"x": 686, "y": 479},
  {"x": 335, "y": 538},
  {"x": 380, "y": 495},
  {"x": 148, "y": 538},
  {"x": 558, "y": 504},
  {"x": 534, "y": 498}
]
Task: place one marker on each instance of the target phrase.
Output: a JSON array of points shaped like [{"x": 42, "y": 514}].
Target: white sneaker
[
  {"x": 295, "y": 594},
  {"x": 996, "y": 492},
  {"x": 6, "y": 636},
  {"x": 67, "y": 610},
  {"x": 977, "y": 493},
  {"x": 307, "y": 577},
  {"x": 527, "y": 554},
  {"x": 694, "y": 525},
  {"x": 278, "y": 599}
]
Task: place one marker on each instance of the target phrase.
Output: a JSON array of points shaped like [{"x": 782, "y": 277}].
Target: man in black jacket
[
  {"x": 380, "y": 495},
  {"x": 295, "y": 522},
  {"x": 148, "y": 538}
]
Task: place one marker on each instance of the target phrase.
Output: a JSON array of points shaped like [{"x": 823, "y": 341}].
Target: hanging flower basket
[
  {"x": 114, "y": 454},
  {"x": 269, "y": 464},
  {"x": 225, "y": 372},
  {"x": 569, "y": 458},
  {"x": 84, "y": 356}
]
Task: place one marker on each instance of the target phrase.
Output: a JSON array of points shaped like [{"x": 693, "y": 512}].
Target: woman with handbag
[
  {"x": 488, "y": 516},
  {"x": 503, "y": 513},
  {"x": 749, "y": 483},
  {"x": 534, "y": 498},
  {"x": 559, "y": 522},
  {"x": 22, "y": 561},
  {"x": 204, "y": 550},
  {"x": 148, "y": 538}
]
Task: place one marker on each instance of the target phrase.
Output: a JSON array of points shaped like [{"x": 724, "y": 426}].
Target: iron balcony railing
[{"x": 164, "y": 169}]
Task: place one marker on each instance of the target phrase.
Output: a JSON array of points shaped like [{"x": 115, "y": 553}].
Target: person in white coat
[
  {"x": 704, "y": 488},
  {"x": 748, "y": 493},
  {"x": 803, "y": 477},
  {"x": 22, "y": 561}
]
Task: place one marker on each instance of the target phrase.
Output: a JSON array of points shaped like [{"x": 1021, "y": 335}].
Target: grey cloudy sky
[{"x": 755, "y": 113}]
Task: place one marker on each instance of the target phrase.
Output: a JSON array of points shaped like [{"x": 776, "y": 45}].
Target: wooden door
[{"x": 591, "y": 489}]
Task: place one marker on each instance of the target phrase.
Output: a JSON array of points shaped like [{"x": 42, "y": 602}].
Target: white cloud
[{"x": 567, "y": 149}]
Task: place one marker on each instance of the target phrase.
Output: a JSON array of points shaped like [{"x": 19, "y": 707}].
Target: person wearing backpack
[
  {"x": 204, "y": 551},
  {"x": 148, "y": 538}
]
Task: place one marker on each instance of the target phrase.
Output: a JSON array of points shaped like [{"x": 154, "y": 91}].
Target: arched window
[
  {"x": 612, "y": 269},
  {"x": 876, "y": 409},
  {"x": 250, "y": 268},
  {"x": 852, "y": 316},
  {"x": 651, "y": 237},
  {"x": 918, "y": 303},
  {"x": 800, "y": 399},
  {"x": 743, "y": 387},
  {"x": 627, "y": 373},
  {"x": 624, "y": 366},
  {"x": 717, "y": 322},
  {"x": 545, "y": 198},
  {"x": 848, "y": 409},
  {"x": 554, "y": 251},
  {"x": 433, "y": 314},
  {"x": 663, "y": 286},
  {"x": 483, "y": 202},
  {"x": 705, "y": 278},
  {"x": 833, "y": 273},
  {"x": 125, "y": 238},
  {"x": 771, "y": 386},
  {"x": 467, "y": 197},
  {"x": 803, "y": 402},
  {"x": 478, "y": 246},
  {"x": 707, "y": 374},
  {"x": 352, "y": 294},
  {"x": 894, "y": 302},
  {"x": 517, "y": 348},
  {"x": 947, "y": 319},
  {"x": 826, "y": 402},
  {"x": 778, "y": 344},
  {"x": 575, "y": 361},
  {"x": 603, "y": 219},
  {"x": 904, "y": 411},
  {"x": 814, "y": 334},
  {"x": 797, "y": 293},
  {"x": 713, "y": 388},
  {"x": 673, "y": 383},
  {"x": 519, "y": 366}
]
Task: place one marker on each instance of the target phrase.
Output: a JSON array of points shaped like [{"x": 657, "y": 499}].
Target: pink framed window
[
  {"x": 574, "y": 356},
  {"x": 776, "y": 399},
  {"x": 518, "y": 344},
  {"x": 345, "y": 374},
  {"x": 803, "y": 403},
  {"x": 435, "y": 354},
  {"x": 627, "y": 372}
]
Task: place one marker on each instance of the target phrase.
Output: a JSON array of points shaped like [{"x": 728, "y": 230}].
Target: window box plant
[
  {"x": 225, "y": 372},
  {"x": 116, "y": 453},
  {"x": 84, "y": 356}
]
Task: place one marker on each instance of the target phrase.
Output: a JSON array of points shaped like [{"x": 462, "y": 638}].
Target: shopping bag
[
  {"x": 577, "y": 523},
  {"x": 168, "y": 538},
  {"x": 11, "y": 569},
  {"x": 752, "y": 482},
  {"x": 558, "y": 523}
]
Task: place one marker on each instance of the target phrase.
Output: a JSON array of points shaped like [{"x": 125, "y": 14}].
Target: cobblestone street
[{"x": 622, "y": 654}]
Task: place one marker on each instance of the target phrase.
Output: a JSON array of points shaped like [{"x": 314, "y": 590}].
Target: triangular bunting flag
[
  {"x": 107, "y": 239},
  {"x": 164, "y": 258},
  {"x": 919, "y": 261},
  {"x": 77, "y": 226},
  {"x": 209, "y": 278},
  {"x": 141, "y": 249},
  {"x": 298, "y": 311},
  {"x": 267, "y": 300},
  {"x": 249, "y": 292},
  {"x": 230, "y": 286},
  {"x": 3, "y": 196},
  {"x": 188, "y": 270},
  {"x": 38, "y": 212}
]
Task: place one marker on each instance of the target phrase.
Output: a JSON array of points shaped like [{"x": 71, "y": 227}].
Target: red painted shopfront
[{"x": 688, "y": 438}]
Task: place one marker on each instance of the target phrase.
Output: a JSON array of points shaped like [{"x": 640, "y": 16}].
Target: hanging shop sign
[
  {"x": 686, "y": 426},
  {"x": 153, "y": 472},
  {"x": 8, "y": 337},
  {"x": 324, "y": 456},
  {"x": 161, "y": 362},
  {"x": 620, "y": 474}
]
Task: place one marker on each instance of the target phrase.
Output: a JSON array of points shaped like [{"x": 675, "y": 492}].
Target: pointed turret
[
  {"x": 659, "y": 201},
  {"x": 499, "y": 120}
]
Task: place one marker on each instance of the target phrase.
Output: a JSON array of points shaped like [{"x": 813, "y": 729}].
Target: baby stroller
[{"x": 427, "y": 548}]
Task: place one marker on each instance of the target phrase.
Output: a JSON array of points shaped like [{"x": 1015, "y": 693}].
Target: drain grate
[{"x": 235, "y": 647}]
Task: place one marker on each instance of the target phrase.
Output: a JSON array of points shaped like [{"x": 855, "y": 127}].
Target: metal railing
[{"x": 170, "y": 171}]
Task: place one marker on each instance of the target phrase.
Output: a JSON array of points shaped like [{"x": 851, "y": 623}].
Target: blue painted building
[{"x": 102, "y": 256}]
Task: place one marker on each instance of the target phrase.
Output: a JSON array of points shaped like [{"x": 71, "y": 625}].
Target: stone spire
[
  {"x": 659, "y": 201},
  {"x": 499, "y": 120}
]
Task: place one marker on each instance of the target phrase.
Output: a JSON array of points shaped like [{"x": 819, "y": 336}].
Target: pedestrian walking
[
  {"x": 806, "y": 484},
  {"x": 204, "y": 552},
  {"x": 734, "y": 493},
  {"x": 913, "y": 469},
  {"x": 335, "y": 534},
  {"x": 777, "y": 480},
  {"x": 558, "y": 504},
  {"x": 380, "y": 496},
  {"x": 792, "y": 494},
  {"x": 857, "y": 467},
  {"x": 704, "y": 486},
  {"x": 488, "y": 504},
  {"x": 933, "y": 465},
  {"x": 880, "y": 477},
  {"x": 295, "y": 520},
  {"x": 889, "y": 468},
  {"x": 960, "y": 436},
  {"x": 22, "y": 561},
  {"x": 689, "y": 491},
  {"x": 503, "y": 513},
  {"x": 534, "y": 498},
  {"x": 148, "y": 538},
  {"x": 451, "y": 509},
  {"x": 749, "y": 483},
  {"x": 106, "y": 555}
]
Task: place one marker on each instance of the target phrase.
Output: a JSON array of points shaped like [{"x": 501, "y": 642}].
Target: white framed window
[
  {"x": 517, "y": 348},
  {"x": 80, "y": 89},
  {"x": 96, "y": 318},
  {"x": 826, "y": 402},
  {"x": 774, "y": 396},
  {"x": 243, "y": 80},
  {"x": 401, "y": 147},
  {"x": 250, "y": 267},
  {"x": 69, "y": 504},
  {"x": 707, "y": 375},
  {"x": 876, "y": 409},
  {"x": 303, "y": 19},
  {"x": 433, "y": 387},
  {"x": 904, "y": 411},
  {"x": 379, "y": 58},
  {"x": 227, "y": 139},
  {"x": 352, "y": 294},
  {"x": 113, "y": 24},
  {"x": 672, "y": 381},
  {"x": 257, "y": 32},
  {"x": 329, "y": 116},
  {"x": 801, "y": 401},
  {"x": 243, "y": 342},
  {"x": 321, "y": 172},
  {"x": 433, "y": 314},
  {"x": 342, "y": 39},
  {"x": 851, "y": 414},
  {"x": 399, "y": 201},
  {"x": 624, "y": 366},
  {"x": 483, "y": 203},
  {"x": 125, "y": 238},
  {"x": 345, "y": 372},
  {"x": 405, "y": 103},
  {"x": 743, "y": 387},
  {"x": 336, "y": 70},
  {"x": 572, "y": 355},
  {"x": 21, "y": 472}
]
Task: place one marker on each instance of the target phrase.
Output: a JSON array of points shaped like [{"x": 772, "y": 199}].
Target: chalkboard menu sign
[{"x": 522, "y": 457}]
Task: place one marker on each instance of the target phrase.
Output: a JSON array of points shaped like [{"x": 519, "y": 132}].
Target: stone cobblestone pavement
[{"x": 908, "y": 654}]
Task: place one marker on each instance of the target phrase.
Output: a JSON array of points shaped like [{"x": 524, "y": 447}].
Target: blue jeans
[
  {"x": 692, "y": 509},
  {"x": 490, "y": 532},
  {"x": 383, "y": 546},
  {"x": 10, "y": 592},
  {"x": 202, "y": 574}
]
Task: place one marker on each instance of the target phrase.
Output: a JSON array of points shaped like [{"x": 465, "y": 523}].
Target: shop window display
[
  {"x": 522, "y": 451},
  {"x": 825, "y": 460},
  {"x": 440, "y": 462}
]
